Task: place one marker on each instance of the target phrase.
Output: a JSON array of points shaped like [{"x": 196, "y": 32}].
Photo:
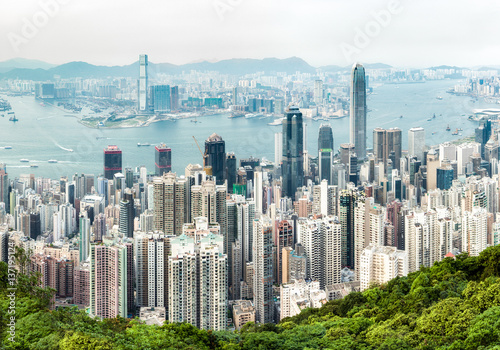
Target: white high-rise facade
[
  {"x": 416, "y": 142},
  {"x": 474, "y": 231},
  {"x": 263, "y": 270},
  {"x": 143, "y": 83},
  {"x": 380, "y": 264}
]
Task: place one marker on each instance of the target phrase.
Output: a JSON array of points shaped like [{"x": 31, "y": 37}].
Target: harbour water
[{"x": 46, "y": 133}]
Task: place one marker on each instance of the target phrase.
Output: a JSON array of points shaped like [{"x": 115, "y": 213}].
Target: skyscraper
[
  {"x": 293, "y": 152},
  {"x": 112, "y": 162},
  {"x": 171, "y": 204},
  {"x": 174, "y": 98},
  {"x": 160, "y": 98},
  {"x": 263, "y": 270},
  {"x": 143, "y": 84},
  {"x": 318, "y": 92},
  {"x": 358, "y": 110},
  {"x": 4, "y": 188},
  {"x": 416, "y": 142},
  {"x": 325, "y": 137},
  {"x": 215, "y": 152},
  {"x": 127, "y": 214},
  {"x": 163, "y": 159},
  {"x": 230, "y": 171}
]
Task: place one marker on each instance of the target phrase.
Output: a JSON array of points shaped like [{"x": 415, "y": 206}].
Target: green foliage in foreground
[{"x": 455, "y": 304}]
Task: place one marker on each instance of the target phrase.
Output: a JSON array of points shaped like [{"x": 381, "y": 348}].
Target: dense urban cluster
[{"x": 223, "y": 245}]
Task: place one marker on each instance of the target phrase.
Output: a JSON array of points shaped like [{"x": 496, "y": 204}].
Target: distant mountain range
[
  {"x": 41, "y": 71},
  {"x": 23, "y": 63},
  {"x": 20, "y": 68}
]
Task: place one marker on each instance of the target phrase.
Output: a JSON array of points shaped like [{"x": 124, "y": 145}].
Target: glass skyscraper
[
  {"x": 358, "y": 110},
  {"x": 293, "y": 151}
]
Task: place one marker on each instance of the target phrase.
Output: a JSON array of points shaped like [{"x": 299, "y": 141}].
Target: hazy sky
[{"x": 114, "y": 32}]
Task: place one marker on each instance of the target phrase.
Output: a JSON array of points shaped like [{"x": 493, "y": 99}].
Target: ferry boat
[
  {"x": 34, "y": 165},
  {"x": 276, "y": 122},
  {"x": 8, "y": 147},
  {"x": 143, "y": 144},
  {"x": 52, "y": 161},
  {"x": 250, "y": 116},
  {"x": 24, "y": 160}
]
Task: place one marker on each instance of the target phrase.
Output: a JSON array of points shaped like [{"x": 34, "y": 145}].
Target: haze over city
[{"x": 415, "y": 34}]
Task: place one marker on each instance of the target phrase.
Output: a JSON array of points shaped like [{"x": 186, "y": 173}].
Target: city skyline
[{"x": 379, "y": 32}]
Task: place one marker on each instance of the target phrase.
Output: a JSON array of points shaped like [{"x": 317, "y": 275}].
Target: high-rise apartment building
[
  {"x": 263, "y": 270},
  {"x": 380, "y": 264},
  {"x": 171, "y": 203}
]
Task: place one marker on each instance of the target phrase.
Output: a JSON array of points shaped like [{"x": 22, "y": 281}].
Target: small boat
[
  {"x": 13, "y": 119},
  {"x": 276, "y": 122},
  {"x": 10, "y": 112},
  {"x": 8, "y": 147},
  {"x": 143, "y": 144},
  {"x": 429, "y": 120},
  {"x": 250, "y": 116},
  {"x": 400, "y": 117},
  {"x": 448, "y": 128},
  {"x": 460, "y": 129},
  {"x": 439, "y": 97},
  {"x": 52, "y": 161},
  {"x": 24, "y": 160},
  {"x": 434, "y": 132},
  {"x": 34, "y": 165},
  {"x": 455, "y": 132}
]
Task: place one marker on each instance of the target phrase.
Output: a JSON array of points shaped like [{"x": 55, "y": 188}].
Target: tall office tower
[
  {"x": 263, "y": 270},
  {"x": 278, "y": 148},
  {"x": 379, "y": 264},
  {"x": 111, "y": 271},
  {"x": 163, "y": 159},
  {"x": 235, "y": 96},
  {"x": 284, "y": 238},
  {"x": 380, "y": 145},
  {"x": 215, "y": 153},
  {"x": 346, "y": 149},
  {"x": 325, "y": 137},
  {"x": 171, "y": 203},
  {"x": 464, "y": 154},
  {"x": 127, "y": 214},
  {"x": 143, "y": 84},
  {"x": 4, "y": 189},
  {"x": 318, "y": 92},
  {"x": 35, "y": 227},
  {"x": 230, "y": 171},
  {"x": 394, "y": 146},
  {"x": 84, "y": 236},
  {"x": 347, "y": 203},
  {"x": 160, "y": 98},
  {"x": 416, "y": 142},
  {"x": 483, "y": 134},
  {"x": 357, "y": 118},
  {"x": 293, "y": 152},
  {"x": 112, "y": 162},
  {"x": 102, "y": 189},
  {"x": 474, "y": 231},
  {"x": 174, "y": 98},
  {"x": 129, "y": 178}
]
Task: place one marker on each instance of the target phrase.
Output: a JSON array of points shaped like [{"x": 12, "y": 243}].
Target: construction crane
[{"x": 206, "y": 168}]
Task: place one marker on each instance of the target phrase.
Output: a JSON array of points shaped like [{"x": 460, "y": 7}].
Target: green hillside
[{"x": 453, "y": 305}]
